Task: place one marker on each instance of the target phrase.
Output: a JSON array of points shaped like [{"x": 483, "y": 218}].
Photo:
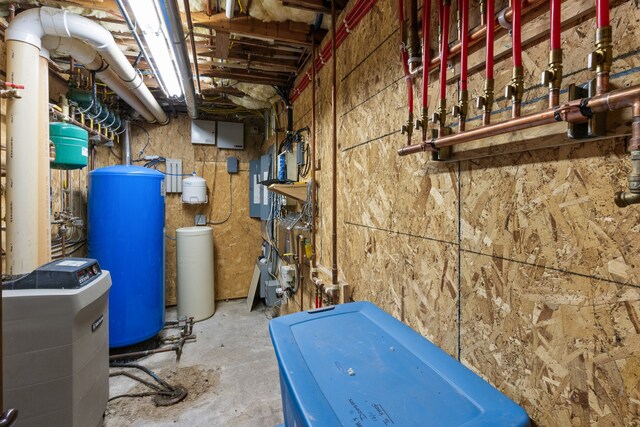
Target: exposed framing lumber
[{"x": 294, "y": 33}]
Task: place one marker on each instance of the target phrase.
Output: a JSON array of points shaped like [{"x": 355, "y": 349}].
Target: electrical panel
[
  {"x": 230, "y": 135},
  {"x": 173, "y": 179},
  {"x": 255, "y": 189},
  {"x": 265, "y": 174},
  {"x": 203, "y": 132}
]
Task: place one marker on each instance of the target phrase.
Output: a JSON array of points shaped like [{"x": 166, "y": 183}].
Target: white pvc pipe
[
  {"x": 229, "y": 8},
  {"x": 22, "y": 159},
  {"x": 44, "y": 168},
  {"x": 32, "y": 25},
  {"x": 87, "y": 56}
]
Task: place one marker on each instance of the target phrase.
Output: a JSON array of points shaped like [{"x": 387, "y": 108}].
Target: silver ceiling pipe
[{"x": 179, "y": 46}]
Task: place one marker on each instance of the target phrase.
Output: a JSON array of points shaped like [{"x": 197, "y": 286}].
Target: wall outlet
[{"x": 201, "y": 220}]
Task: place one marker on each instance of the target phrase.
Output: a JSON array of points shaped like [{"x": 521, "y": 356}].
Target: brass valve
[
  {"x": 439, "y": 116},
  {"x": 552, "y": 76},
  {"x": 600, "y": 60},
  {"x": 407, "y": 129},
  {"x": 515, "y": 89},
  {"x": 460, "y": 110},
  {"x": 485, "y": 102},
  {"x": 455, "y": 111}
]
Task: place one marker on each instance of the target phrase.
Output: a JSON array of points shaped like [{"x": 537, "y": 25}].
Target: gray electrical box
[
  {"x": 232, "y": 165},
  {"x": 271, "y": 296},
  {"x": 255, "y": 189},
  {"x": 230, "y": 135}
]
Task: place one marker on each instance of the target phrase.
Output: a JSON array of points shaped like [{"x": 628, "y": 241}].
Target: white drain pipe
[
  {"x": 24, "y": 41},
  {"x": 22, "y": 159}
]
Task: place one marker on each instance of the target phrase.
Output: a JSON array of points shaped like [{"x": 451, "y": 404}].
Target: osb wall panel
[
  {"x": 237, "y": 241},
  {"x": 563, "y": 346},
  {"x": 529, "y": 247}
]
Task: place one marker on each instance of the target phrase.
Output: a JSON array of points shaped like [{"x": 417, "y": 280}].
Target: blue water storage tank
[
  {"x": 126, "y": 236},
  {"x": 355, "y": 365}
]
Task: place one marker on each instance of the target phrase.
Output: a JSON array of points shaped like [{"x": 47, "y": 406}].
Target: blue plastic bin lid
[{"x": 354, "y": 364}]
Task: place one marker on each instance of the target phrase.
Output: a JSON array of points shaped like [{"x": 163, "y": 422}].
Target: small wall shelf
[{"x": 297, "y": 191}]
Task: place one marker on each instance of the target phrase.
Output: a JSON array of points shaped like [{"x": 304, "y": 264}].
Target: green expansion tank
[{"x": 72, "y": 146}]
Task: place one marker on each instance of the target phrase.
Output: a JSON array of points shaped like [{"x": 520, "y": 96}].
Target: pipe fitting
[
  {"x": 552, "y": 76},
  {"x": 460, "y": 110},
  {"x": 634, "y": 141},
  {"x": 407, "y": 129},
  {"x": 515, "y": 89},
  {"x": 440, "y": 115},
  {"x": 600, "y": 60},
  {"x": 485, "y": 102}
]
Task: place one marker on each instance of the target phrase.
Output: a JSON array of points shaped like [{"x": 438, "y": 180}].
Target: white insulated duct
[{"x": 24, "y": 44}]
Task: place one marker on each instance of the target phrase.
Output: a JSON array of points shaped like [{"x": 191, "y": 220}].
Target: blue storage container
[
  {"x": 126, "y": 236},
  {"x": 355, "y": 365}
]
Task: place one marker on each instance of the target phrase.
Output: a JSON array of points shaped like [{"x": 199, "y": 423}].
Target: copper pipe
[
  {"x": 334, "y": 154},
  {"x": 187, "y": 11},
  {"x": 314, "y": 272},
  {"x": 300, "y": 267},
  {"x": 12, "y": 14},
  {"x": 569, "y": 112}
]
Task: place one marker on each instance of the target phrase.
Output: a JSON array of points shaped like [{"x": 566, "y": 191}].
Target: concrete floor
[{"x": 231, "y": 374}]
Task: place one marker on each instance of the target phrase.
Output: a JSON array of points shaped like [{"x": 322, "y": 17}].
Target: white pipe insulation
[{"x": 24, "y": 44}]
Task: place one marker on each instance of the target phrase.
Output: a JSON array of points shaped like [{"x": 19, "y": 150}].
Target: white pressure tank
[
  {"x": 194, "y": 190},
  {"x": 195, "y": 282}
]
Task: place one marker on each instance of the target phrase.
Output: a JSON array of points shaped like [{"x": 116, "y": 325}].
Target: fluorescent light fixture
[{"x": 149, "y": 23}]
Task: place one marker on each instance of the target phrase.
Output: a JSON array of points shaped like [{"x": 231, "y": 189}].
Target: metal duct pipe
[
  {"x": 177, "y": 39},
  {"x": 126, "y": 144},
  {"x": 229, "y": 8}
]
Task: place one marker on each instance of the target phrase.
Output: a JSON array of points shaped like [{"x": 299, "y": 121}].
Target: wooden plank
[
  {"x": 289, "y": 32},
  {"x": 253, "y": 287},
  {"x": 297, "y": 191},
  {"x": 222, "y": 44},
  {"x": 247, "y": 76}
]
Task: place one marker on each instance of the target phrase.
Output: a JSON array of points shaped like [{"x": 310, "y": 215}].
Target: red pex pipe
[
  {"x": 516, "y": 31},
  {"x": 426, "y": 36},
  {"x": 602, "y": 13},
  {"x": 491, "y": 22},
  {"x": 444, "y": 48},
  {"x": 555, "y": 24},
  {"x": 405, "y": 58},
  {"x": 464, "y": 48}
]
